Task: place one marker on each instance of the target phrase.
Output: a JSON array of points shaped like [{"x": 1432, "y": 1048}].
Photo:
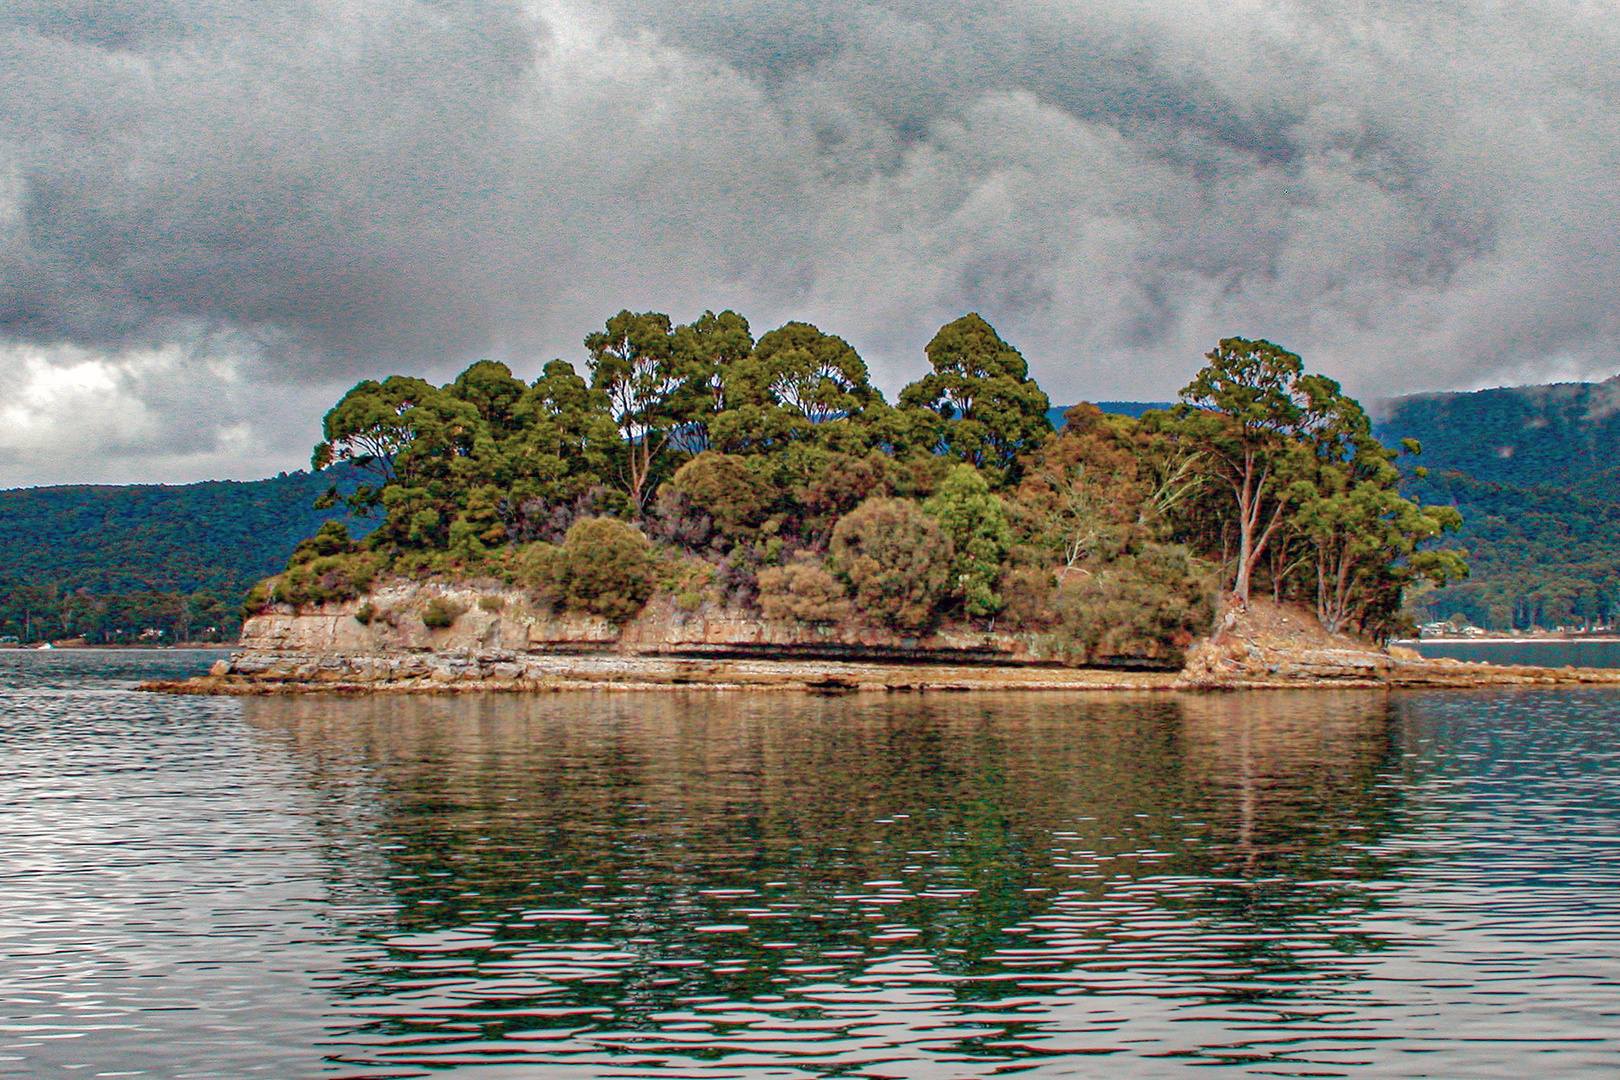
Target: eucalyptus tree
[
  {"x": 416, "y": 439},
  {"x": 1245, "y": 410},
  {"x": 1362, "y": 540},
  {"x": 711, "y": 354},
  {"x": 978, "y": 404},
  {"x": 800, "y": 384},
  {"x": 634, "y": 363}
]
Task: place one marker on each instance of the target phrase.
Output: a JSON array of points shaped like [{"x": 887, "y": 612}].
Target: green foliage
[
  {"x": 1244, "y": 411},
  {"x": 1358, "y": 535},
  {"x": 896, "y": 559},
  {"x": 1562, "y": 435},
  {"x": 799, "y": 384},
  {"x": 758, "y": 459},
  {"x": 732, "y": 492},
  {"x": 108, "y": 563},
  {"x": 1531, "y": 471},
  {"x": 690, "y": 581},
  {"x": 1309, "y": 496},
  {"x": 442, "y": 613},
  {"x": 326, "y": 579},
  {"x": 976, "y": 522},
  {"x": 831, "y": 484},
  {"x": 978, "y": 404},
  {"x": 605, "y": 567},
  {"x": 768, "y": 463},
  {"x": 635, "y": 366},
  {"x": 713, "y": 354},
  {"x": 1148, "y": 603},
  {"x": 1537, "y": 556},
  {"x": 803, "y": 592},
  {"x": 332, "y": 538}
]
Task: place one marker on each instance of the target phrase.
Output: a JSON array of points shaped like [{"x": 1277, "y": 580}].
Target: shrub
[
  {"x": 896, "y": 559},
  {"x": 719, "y": 492},
  {"x": 1150, "y": 603},
  {"x": 257, "y": 598},
  {"x": 442, "y": 613},
  {"x": 324, "y": 579},
  {"x": 689, "y": 580},
  {"x": 603, "y": 566},
  {"x": 804, "y": 592},
  {"x": 534, "y": 566},
  {"x": 1028, "y": 593},
  {"x": 365, "y": 613},
  {"x": 976, "y": 522},
  {"x": 491, "y": 604},
  {"x": 332, "y": 538},
  {"x": 835, "y": 484}
]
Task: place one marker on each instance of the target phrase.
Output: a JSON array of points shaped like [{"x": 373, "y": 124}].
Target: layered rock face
[
  {"x": 391, "y": 620},
  {"x": 498, "y": 640}
]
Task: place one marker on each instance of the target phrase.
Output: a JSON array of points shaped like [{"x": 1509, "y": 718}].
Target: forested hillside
[
  {"x": 1566, "y": 435},
  {"x": 110, "y": 563},
  {"x": 1540, "y": 556},
  {"x": 1535, "y": 472}
]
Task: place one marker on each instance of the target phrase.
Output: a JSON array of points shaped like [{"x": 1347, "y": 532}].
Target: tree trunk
[{"x": 1250, "y": 545}]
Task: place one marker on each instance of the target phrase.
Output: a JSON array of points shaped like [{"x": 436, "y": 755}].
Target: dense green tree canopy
[
  {"x": 979, "y": 403},
  {"x": 772, "y": 475}
]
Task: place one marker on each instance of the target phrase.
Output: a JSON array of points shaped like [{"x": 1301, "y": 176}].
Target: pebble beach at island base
[{"x": 381, "y": 645}]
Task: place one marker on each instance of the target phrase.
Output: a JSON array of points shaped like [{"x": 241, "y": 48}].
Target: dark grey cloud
[{"x": 216, "y": 214}]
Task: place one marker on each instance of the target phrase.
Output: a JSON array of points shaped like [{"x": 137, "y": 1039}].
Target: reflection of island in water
[{"x": 620, "y": 854}]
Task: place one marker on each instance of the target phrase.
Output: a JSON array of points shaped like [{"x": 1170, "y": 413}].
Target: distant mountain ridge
[
  {"x": 1564, "y": 434},
  {"x": 209, "y": 535},
  {"x": 113, "y": 561}
]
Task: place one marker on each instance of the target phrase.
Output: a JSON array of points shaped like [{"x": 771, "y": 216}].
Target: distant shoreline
[
  {"x": 1494, "y": 639},
  {"x": 182, "y": 647}
]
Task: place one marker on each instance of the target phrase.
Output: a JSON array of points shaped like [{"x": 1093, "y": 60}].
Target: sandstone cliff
[{"x": 499, "y": 640}]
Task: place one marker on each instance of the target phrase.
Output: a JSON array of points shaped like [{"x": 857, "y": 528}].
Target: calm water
[
  {"x": 697, "y": 885},
  {"x": 1546, "y": 652}
]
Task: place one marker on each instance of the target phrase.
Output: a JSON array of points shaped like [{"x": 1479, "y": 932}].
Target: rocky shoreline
[{"x": 497, "y": 647}]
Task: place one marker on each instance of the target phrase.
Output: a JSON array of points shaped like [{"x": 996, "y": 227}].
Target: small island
[{"x": 701, "y": 508}]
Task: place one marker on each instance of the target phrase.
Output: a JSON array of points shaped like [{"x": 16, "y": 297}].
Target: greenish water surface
[{"x": 721, "y": 885}]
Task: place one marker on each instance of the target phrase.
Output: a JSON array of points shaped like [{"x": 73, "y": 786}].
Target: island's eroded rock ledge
[{"x": 499, "y": 642}]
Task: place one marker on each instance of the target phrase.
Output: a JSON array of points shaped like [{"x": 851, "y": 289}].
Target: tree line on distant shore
[
  {"x": 32, "y": 613},
  {"x": 698, "y": 463},
  {"x": 111, "y": 563}
]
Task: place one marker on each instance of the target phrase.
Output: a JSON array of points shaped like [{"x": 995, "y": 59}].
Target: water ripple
[{"x": 722, "y": 886}]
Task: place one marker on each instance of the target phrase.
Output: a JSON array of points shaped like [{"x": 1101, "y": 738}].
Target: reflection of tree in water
[
  {"x": 588, "y": 851},
  {"x": 1294, "y": 789}
]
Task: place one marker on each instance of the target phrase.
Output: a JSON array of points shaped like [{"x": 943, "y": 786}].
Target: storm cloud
[{"x": 215, "y": 215}]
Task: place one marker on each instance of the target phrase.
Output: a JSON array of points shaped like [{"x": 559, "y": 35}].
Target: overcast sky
[{"x": 217, "y": 215}]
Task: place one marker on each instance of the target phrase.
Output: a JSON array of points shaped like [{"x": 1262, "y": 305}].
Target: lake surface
[
  {"x": 1541, "y": 652},
  {"x": 726, "y": 885}
]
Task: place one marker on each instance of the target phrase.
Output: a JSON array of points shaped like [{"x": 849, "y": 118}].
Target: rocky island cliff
[
  {"x": 499, "y": 641},
  {"x": 707, "y": 509}
]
